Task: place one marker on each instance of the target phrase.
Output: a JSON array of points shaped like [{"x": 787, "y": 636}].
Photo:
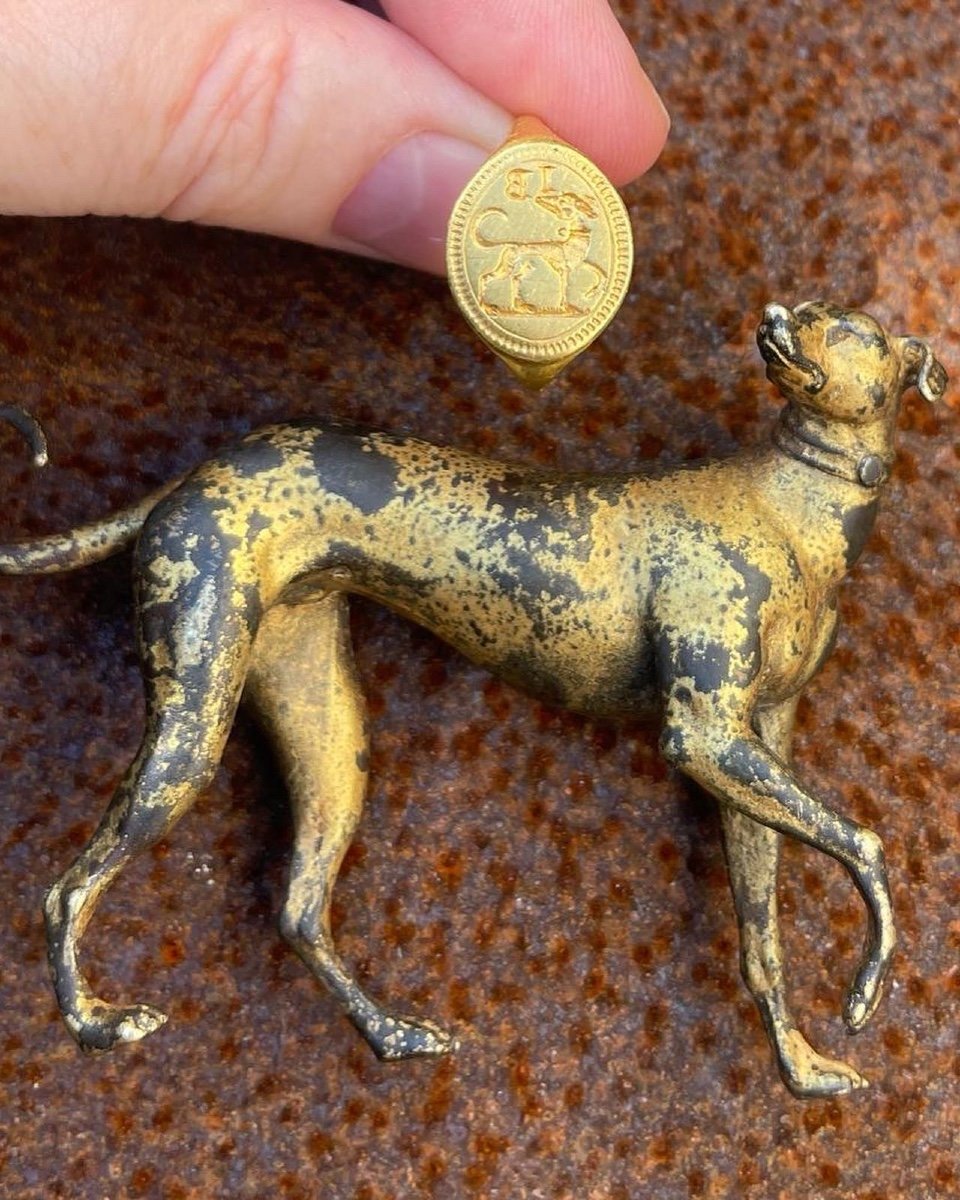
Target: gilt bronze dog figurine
[{"x": 706, "y": 593}]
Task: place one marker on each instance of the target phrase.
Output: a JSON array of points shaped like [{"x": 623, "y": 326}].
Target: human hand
[{"x": 310, "y": 119}]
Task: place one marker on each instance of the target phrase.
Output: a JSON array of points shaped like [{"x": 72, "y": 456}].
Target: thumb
[{"x": 232, "y": 113}]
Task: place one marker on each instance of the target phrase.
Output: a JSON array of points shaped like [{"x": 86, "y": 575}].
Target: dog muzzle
[{"x": 779, "y": 346}]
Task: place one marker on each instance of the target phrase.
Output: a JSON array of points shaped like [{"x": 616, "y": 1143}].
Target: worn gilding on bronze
[{"x": 705, "y": 594}]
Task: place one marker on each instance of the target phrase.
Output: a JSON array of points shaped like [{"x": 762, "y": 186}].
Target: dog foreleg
[
  {"x": 753, "y": 853},
  {"x": 303, "y": 684},
  {"x": 704, "y": 738}
]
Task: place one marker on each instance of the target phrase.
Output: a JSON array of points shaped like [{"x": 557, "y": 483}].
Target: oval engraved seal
[{"x": 539, "y": 253}]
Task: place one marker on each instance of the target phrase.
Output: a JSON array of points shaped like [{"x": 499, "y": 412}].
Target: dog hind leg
[
  {"x": 176, "y": 762},
  {"x": 195, "y": 639},
  {"x": 304, "y": 686},
  {"x": 753, "y": 854}
]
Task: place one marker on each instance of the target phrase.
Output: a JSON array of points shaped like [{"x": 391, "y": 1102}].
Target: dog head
[
  {"x": 841, "y": 364},
  {"x": 568, "y": 204}
]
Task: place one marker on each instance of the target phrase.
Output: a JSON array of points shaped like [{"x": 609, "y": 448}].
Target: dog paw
[
  {"x": 396, "y": 1038},
  {"x": 864, "y": 996},
  {"x": 810, "y": 1075},
  {"x": 828, "y": 1077},
  {"x": 107, "y": 1024}
]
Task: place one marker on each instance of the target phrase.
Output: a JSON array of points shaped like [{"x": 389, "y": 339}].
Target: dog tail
[
  {"x": 83, "y": 545},
  {"x": 480, "y": 238},
  {"x": 29, "y": 429}
]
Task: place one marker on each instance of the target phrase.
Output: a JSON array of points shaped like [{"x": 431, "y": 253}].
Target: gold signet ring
[{"x": 539, "y": 252}]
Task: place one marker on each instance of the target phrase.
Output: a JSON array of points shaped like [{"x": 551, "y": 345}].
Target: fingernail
[{"x": 400, "y": 209}]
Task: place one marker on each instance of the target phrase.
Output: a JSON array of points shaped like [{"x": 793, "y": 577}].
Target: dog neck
[{"x": 801, "y": 438}]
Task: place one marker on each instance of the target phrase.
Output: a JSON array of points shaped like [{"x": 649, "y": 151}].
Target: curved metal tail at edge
[
  {"x": 79, "y": 546},
  {"x": 30, "y": 428}
]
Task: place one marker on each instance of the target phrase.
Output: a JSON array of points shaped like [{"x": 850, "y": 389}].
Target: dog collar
[{"x": 800, "y": 442}]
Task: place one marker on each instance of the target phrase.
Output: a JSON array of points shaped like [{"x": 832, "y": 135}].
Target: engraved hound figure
[
  {"x": 562, "y": 254},
  {"x": 705, "y": 594}
]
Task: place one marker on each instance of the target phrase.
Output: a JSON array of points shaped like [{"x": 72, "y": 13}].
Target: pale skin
[{"x": 267, "y": 116}]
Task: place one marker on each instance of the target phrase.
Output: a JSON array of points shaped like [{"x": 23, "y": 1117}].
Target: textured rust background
[{"x": 540, "y": 884}]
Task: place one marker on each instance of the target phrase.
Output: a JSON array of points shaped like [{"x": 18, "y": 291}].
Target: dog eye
[{"x": 807, "y": 312}]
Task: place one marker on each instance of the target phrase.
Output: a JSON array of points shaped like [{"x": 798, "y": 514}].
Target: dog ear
[{"x": 923, "y": 370}]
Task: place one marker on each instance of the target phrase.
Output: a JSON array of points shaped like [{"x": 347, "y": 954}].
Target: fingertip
[
  {"x": 627, "y": 126},
  {"x": 568, "y": 62},
  {"x": 600, "y": 97}
]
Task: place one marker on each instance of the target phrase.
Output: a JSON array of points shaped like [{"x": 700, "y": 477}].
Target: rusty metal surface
[{"x": 539, "y": 883}]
